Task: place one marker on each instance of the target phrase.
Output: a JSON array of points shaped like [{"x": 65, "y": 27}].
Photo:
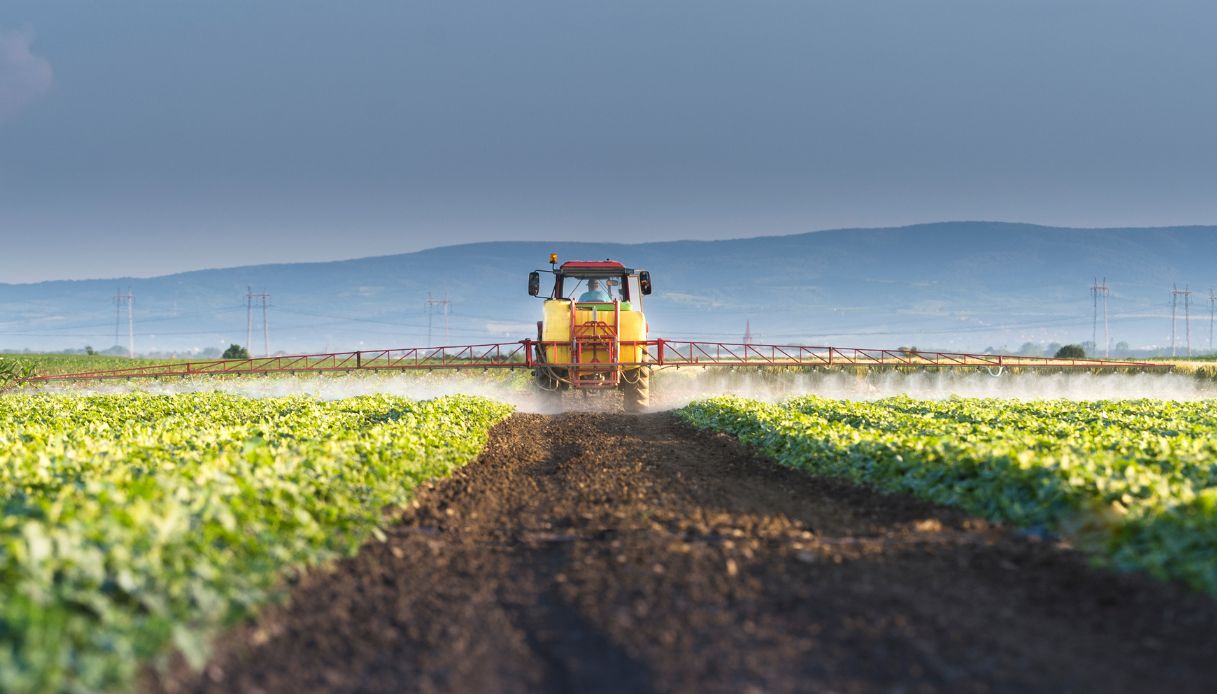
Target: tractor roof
[
  {"x": 592, "y": 265},
  {"x": 594, "y": 268}
]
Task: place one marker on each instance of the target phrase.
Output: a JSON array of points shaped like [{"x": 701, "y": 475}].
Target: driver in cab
[{"x": 594, "y": 294}]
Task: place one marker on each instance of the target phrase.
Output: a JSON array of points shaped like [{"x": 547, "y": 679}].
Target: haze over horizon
[
  {"x": 962, "y": 286},
  {"x": 146, "y": 139}
]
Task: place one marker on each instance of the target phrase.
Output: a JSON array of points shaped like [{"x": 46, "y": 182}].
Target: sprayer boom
[{"x": 658, "y": 353}]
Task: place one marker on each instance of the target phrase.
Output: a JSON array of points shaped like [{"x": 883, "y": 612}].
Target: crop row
[
  {"x": 137, "y": 523},
  {"x": 1133, "y": 482}
]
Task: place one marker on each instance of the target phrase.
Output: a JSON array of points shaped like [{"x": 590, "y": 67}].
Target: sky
[{"x": 141, "y": 138}]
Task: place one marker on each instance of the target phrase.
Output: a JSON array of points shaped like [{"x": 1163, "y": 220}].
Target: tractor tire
[
  {"x": 637, "y": 390},
  {"x": 545, "y": 382}
]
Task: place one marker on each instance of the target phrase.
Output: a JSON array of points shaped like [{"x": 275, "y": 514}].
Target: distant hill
[{"x": 956, "y": 285}]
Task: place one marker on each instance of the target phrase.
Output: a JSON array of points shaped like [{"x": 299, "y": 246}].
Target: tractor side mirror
[
  {"x": 644, "y": 282},
  {"x": 534, "y": 283}
]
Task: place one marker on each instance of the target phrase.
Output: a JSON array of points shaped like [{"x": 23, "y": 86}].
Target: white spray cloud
[
  {"x": 24, "y": 76},
  {"x": 682, "y": 387},
  {"x": 416, "y": 386},
  {"x": 676, "y": 388}
]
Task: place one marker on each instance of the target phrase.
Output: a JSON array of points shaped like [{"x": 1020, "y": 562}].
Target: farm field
[
  {"x": 76, "y": 363},
  {"x": 600, "y": 552},
  {"x": 137, "y": 522},
  {"x": 604, "y": 552},
  {"x": 1134, "y": 482}
]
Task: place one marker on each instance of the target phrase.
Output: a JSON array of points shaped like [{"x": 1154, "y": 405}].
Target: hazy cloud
[{"x": 23, "y": 76}]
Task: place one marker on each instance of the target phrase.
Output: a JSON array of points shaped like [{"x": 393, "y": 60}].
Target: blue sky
[{"x": 147, "y": 138}]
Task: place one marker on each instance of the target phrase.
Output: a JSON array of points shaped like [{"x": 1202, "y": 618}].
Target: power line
[
  {"x": 144, "y": 320},
  {"x": 349, "y": 318}
]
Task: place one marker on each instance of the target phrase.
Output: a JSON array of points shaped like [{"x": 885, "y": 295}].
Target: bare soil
[{"x": 611, "y": 553}]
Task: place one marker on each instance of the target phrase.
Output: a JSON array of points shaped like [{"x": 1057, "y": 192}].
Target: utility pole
[
  {"x": 118, "y": 313},
  {"x": 1097, "y": 290},
  {"x": 249, "y": 315},
  {"x": 1186, "y": 293},
  {"x": 1212, "y": 312},
  {"x": 1174, "y": 301},
  {"x": 129, "y": 300},
  {"x": 250, "y": 295},
  {"x": 265, "y": 327},
  {"x": 1187, "y": 318},
  {"x": 1106, "y": 325},
  {"x": 431, "y": 304},
  {"x": 1094, "y": 314},
  {"x": 1106, "y": 334}
]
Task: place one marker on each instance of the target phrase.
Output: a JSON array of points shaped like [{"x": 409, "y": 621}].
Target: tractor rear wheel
[
  {"x": 637, "y": 389},
  {"x": 546, "y": 380}
]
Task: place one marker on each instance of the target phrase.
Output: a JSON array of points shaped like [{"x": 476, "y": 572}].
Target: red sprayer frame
[{"x": 659, "y": 353}]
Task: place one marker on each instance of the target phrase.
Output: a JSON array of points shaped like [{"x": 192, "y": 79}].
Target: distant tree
[
  {"x": 236, "y": 352},
  {"x": 1029, "y": 349},
  {"x": 89, "y": 350},
  {"x": 1071, "y": 352},
  {"x": 1122, "y": 348},
  {"x": 1053, "y": 348}
]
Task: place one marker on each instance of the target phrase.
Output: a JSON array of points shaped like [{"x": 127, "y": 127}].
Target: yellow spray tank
[{"x": 593, "y": 332}]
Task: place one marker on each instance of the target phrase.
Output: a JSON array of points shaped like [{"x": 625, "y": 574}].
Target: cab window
[{"x": 576, "y": 287}]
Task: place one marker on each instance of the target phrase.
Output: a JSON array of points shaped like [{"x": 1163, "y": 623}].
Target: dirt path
[{"x": 594, "y": 552}]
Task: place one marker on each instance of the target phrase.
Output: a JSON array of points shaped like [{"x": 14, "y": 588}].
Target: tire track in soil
[{"x": 601, "y": 552}]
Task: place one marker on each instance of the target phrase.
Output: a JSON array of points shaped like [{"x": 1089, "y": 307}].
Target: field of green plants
[
  {"x": 74, "y": 363},
  {"x": 1133, "y": 482},
  {"x": 137, "y": 523}
]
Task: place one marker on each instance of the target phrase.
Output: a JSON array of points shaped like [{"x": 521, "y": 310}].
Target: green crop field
[
  {"x": 74, "y": 363},
  {"x": 137, "y": 523},
  {"x": 1134, "y": 483}
]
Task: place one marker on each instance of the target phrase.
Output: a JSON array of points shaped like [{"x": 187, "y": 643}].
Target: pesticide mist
[{"x": 672, "y": 388}]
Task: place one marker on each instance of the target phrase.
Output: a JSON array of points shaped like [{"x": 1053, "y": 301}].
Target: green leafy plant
[
  {"x": 136, "y": 523},
  {"x": 13, "y": 370},
  {"x": 1134, "y": 482}
]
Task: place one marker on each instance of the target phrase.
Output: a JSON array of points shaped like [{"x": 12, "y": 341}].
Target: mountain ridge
[
  {"x": 958, "y": 285},
  {"x": 765, "y": 237}
]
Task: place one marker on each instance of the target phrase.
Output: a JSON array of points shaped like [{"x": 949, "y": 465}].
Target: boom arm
[{"x": 658, "y": 353}]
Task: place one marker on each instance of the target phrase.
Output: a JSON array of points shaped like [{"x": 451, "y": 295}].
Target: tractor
[{"x": 593, "y": 334}]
